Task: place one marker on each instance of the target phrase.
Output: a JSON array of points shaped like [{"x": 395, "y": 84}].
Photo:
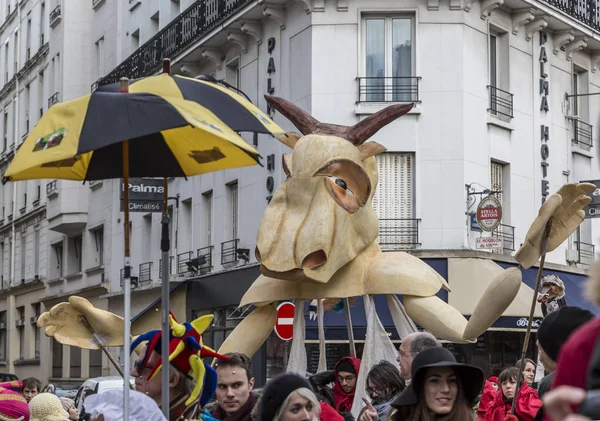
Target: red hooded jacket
[
  {"x": 575, "y": 355},
  {"x": 527, "y": 407},
  {"x": 487, "y": 397},
  {"x": 329, "y": 414},
  {"x": 343, "y": 400}
]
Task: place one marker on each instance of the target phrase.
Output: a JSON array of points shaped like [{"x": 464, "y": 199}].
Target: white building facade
[{"x": 489, "y": 81}]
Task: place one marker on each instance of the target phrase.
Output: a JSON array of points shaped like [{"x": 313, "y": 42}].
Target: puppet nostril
[
  {"x": 257, "y": 254},
  {"x": 314, "y": 260}
]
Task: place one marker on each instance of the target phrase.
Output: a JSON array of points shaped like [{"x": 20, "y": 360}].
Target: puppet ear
[
  {"x": 289, "y": 139},
  {"x": 370, "y": 149}
]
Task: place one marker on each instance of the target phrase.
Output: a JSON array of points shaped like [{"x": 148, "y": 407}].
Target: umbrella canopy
[
  {"x": 168, "y": 137},
  {"x": 231, "y": 108}
]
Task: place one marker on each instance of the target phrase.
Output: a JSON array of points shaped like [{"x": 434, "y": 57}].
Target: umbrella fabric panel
[
  {"x": 52, "y": 144},
  {"x": 149, "y": 156},
  {"x": 114, "y": 117}
]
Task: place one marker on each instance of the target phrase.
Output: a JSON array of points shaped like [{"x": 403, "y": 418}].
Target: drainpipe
[{"x": 15, "y": 144}]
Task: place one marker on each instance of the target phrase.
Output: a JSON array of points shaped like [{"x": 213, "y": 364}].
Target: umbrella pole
[
  {"x": 166, "y": 266},
  {"x": 531, "y": 312},
  {"x": 126, "y": 272},
  {"x": 164, "y": 248}
]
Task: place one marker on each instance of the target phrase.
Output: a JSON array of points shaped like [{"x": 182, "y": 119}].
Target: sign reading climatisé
[
  {"x": 489, "y": 213},
  {"x": 145, "y": 195},
  {"x": 593, "y": 209},
  {"x": 489, "y": 243}
]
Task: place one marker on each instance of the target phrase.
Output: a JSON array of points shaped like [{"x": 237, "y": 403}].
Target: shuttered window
[
  {"x": 208, "y": 197},
  {"x": 497, "y": 173},
  {"x": 394, "y": 201}
]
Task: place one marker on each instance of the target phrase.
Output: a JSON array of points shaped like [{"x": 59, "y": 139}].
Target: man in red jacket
[{"x": 346, "y": 373}]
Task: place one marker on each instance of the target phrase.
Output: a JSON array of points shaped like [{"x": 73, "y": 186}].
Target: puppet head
[
  {"x": 322, "y": 216},
  {"x": 185, "y": 354},
  {"x": 552, "y": 288}
]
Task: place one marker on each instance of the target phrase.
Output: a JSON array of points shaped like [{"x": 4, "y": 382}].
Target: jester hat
[{"x": 185, "y": 353}]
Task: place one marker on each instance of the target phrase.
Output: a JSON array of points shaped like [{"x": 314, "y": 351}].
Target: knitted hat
[
  {"x": 13, "y": 406},
  {"x": 557, "y": 326},
  {"x": 67, "y": 403},
  {"x": 277, "y": 391},
  {"x": 345, "y": 366},
  {"x": 493, "y": 379},
  {"x": 47, "y": 407}
]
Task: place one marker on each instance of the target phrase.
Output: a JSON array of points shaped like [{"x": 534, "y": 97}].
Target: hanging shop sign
[
  {"x": 489, "y": 243},
  {"x": 489, "y": 213},
  {"x": 544, "y": 109},
  {"x": 592, "y": 210},
  {"x": 145, "y": 195}
]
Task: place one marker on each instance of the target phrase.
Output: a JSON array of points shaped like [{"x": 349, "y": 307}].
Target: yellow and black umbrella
[
  {"x": 167, "y": 137},
  {"x": 233, "y": 109}
]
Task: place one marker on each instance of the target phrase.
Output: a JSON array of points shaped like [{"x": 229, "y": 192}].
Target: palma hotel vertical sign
[{"x": 544, "y": 115}]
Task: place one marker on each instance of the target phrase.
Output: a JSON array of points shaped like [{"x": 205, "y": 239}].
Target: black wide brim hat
[{"x": 470, "y": 376}]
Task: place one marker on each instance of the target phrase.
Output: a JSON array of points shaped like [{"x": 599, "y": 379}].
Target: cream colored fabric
[
  {"x": 47, "y": 407},
  {"x": 297, "y": 361}
]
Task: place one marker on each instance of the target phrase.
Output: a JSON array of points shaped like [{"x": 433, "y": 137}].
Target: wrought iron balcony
[
  {"x": 134, "y": 279},
  {"x": 52, "y": 188},
  {"x": 200, "y": 264},
  {"x": 55, "y": 16},
  {"x": 388, "y": 89},
  {"x": 585, "y": 11},
  {"x": 399, "y": 234},
  {"x": 586, "y": 253},
  {"x": 160, "y": 266},
  {"x": 180, "y": 34},
  {"x": 145, "y": 272},
  {"x": 53, "y": 99},
  {"x": 507, "y": 233},
  {"x": 501, "y": 102},
  {"x": 582, "y": 134},
  {"x": 229, "y": 252}
]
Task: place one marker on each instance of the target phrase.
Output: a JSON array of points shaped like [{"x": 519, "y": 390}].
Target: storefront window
[{"x": 221, "y": 326}]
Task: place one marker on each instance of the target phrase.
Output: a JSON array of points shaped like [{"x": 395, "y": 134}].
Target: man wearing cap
[
  {"x": 410, "y": 347},
  {"x": 554, "y": 331},
  {"x": 346, "y": 373}
]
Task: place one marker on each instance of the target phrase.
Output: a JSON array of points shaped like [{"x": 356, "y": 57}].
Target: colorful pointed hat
[{"x": 185, "y": 353}]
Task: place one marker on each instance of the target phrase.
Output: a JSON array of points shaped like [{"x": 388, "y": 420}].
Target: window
[
  {"x": 497, "y": 178},
  {"x": 26, "y": 98},
  {"x": 3, "y": 336},
  {"x": 36, "y": 252},
  {"x": 21, "y": 331},
  {"x": 501, "y": 100},
  {"x": 98, "y": 237},
  {"x": 5, "y": 131},
  {"x": 100, "y": 58},
  {"x": 135, "y": 39},
  {"x": 220, "y": 328},
  {"x": 6, "y": 61},
  {"x": 493, "y": 60},
  {"x": 10, "y": 254},
  {"x": 23, "y": 254},
  {"x": 155, "y": 23},
  {"x": 232, "y": 75},
  {"x": 2, "y": 259},
  {"x": 95, "y": 363},
  {"x": 56, "y": 258},
  {"x": 75, "y": 260},
  {"x": 41, "y": 94},
  {"x": 17, "y": 52},
  {"x": 394, "y": 201},
  {"x": 389, "y": 59},
  {"x": 57, "y": 74},
  {"x": 208, "y": 204},
  {"x": 75, "y": 365},
  {"x": 186, "y": 223},
  {"x": 147, "y": 237},
  {"x": 28, "y": 40},
  {"x": 582, "y": 131},
  {"x": 36, "y": 331},
  {"x": 57, "y": 359},
  {"x": 42, "y": 23},
  {"x": 233, "y": 195}
]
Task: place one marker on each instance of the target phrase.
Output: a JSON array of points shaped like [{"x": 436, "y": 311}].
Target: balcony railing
[
  {"x": 53, "y": 99},
  {"x": 585, "y": 11},
  {"x": 199, "y": 264},
  {"x": 229, "y": 252},
  {"x": 180, "y": 34},
  {"x": 507, "y": 233},
  {"x": 582, "y": 134},
  {"x": 145, "y": 272},
  {"x": 399, "y": 234},
  {"x": 501, "y": 102},
  {"x": 55, "y": 16},
  {"x": 388, "y": 89},
  {"x": 586, "y": 253},
  {"x": 51, "y": 188},
  {"x": 160, "y": 266},
  {"x": 134, "y": 279}
]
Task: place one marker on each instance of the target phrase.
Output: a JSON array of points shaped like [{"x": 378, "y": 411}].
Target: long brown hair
[{"x": 461, "y": 410}]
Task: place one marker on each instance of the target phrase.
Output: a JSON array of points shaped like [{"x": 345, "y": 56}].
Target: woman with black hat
[
  {"x": 440, "y": 389},
  {"x": 288, "y": 397}
]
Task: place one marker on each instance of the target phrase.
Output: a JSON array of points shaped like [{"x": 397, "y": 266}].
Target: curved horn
[
  {"x": 366, "y": 128},
  {"x": 303, "y": 121}
]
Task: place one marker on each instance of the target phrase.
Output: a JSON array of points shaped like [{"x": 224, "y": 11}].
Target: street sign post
[{"x": 284, "y": 326}]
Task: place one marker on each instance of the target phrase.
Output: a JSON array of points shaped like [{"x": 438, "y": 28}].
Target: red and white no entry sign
[{"x": 284, "y": 327}]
